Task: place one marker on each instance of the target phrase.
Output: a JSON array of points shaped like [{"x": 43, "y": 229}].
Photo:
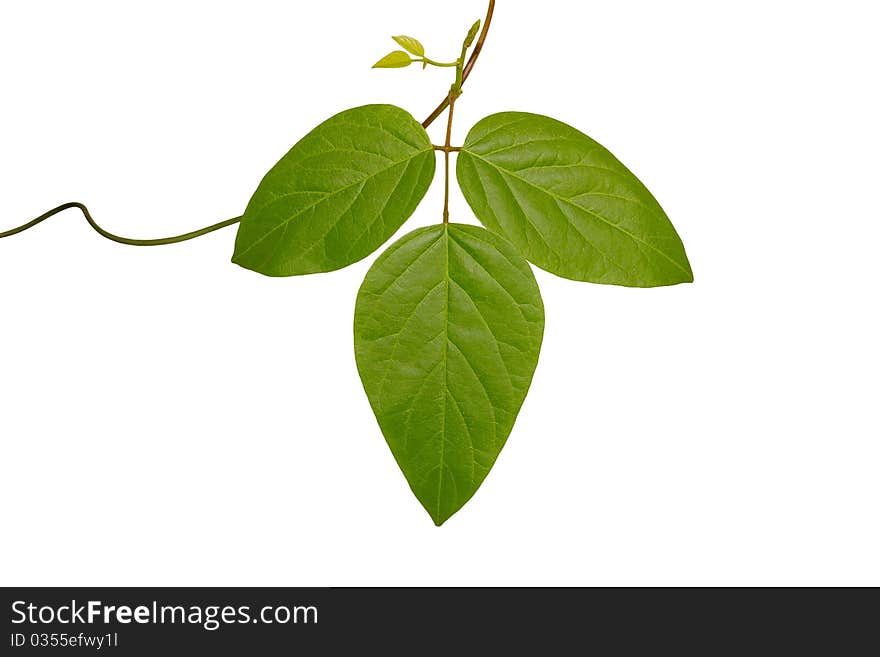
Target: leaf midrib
[{"x": 445, "y": 375}]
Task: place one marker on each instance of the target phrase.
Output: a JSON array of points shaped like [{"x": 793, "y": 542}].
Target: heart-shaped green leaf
[
  {"x": 568, "y": 204},
  {"x": 338, "y": 195},
  {"x": 448, "y": 329}
]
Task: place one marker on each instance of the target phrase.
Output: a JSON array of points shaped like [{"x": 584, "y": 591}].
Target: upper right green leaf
[{"x": 567, "y": 204}]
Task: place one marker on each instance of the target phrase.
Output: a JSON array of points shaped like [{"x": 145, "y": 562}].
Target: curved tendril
[{"x": 115, "y": 238}]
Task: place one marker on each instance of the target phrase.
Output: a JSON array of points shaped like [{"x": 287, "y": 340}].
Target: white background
[{"x": 167, "y": 418}]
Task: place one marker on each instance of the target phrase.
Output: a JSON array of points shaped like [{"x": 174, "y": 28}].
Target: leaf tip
[
  {"x": 439, "y": 520},
  {"x": 686, "y": 278},
  {"x": 687, "y": 273}
]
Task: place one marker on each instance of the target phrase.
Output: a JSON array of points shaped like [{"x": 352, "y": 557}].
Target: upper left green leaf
[{"x": 338, "y": 195}]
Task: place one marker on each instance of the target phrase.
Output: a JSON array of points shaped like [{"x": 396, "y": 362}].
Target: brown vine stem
[
  {"x": 448, "y": 101},
  {"x": 478, "y": 48},
  {"x": 446, "y": 154}
]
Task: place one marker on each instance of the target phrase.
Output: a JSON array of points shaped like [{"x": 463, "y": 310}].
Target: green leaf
[
  {"x": 411, "y": 45},
  {"x": 396, "y": 59},
  {"x": 338, "y": 195},
  {"x": 568, "y": 204},
  {"x": 447, "y": 330}
]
